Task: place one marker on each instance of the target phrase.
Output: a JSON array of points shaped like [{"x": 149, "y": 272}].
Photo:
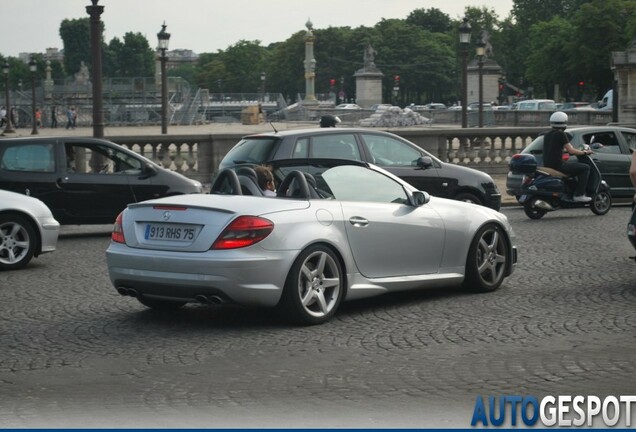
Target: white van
[
  {"x": 537, "y": 105},
  {"x": 607, "y": 103}
]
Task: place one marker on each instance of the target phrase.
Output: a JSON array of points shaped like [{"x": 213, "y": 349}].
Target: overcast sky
[{"x": 207, "y": 25}]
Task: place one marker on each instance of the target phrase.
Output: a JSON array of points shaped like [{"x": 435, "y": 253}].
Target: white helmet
[{"x": 559, "y": 120}]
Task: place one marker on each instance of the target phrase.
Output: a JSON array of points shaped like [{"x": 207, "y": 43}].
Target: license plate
[
  {"x": 170, "y": 232},
  {"x": 523, "y": 198}
]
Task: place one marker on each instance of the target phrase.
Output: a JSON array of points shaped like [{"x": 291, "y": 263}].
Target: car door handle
[
  {"x": 61, "y": 181},
  {"x": 358, "y": 221}
]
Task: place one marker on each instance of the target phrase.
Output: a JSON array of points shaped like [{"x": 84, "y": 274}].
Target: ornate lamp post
[
  {"x": 263, "y": 76},
  {"x": 481, "y": 50},
  {"x": 464, "y": 41},
  {"x": 95, "y": 12},
  {"x": 8, "y": 128},
  {"x": 33, "y": 67},
  {"x": 164, "y": 39}
]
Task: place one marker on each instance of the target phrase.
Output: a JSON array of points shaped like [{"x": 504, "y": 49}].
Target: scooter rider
[{"x": 553, "y": 144}]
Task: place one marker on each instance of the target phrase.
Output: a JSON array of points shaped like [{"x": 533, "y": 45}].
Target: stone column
[
  {"x": 310, "y": 67},
  {"x": 368, "y": 81},
  {"x": 624, "y": 67}
]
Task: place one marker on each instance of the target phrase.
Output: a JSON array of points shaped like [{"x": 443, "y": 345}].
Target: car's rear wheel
[
  {"x": 532, "y": 211},
  {"x": 487, "y": 259},
  {"x": 17, "y": 242},
  {"x": 601, "y": 203},
  {"x": 314, "y": 287},
  {"x": 157, "y": 304}
]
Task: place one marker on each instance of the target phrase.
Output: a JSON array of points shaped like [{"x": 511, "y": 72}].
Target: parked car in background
[
  {"x": 395, "y": 154},
  {"x": 572, "y": 105},
  {"x": 348, "y": 106},
  {"x": 27, "y": 230},
  {"x": 337, "y": 230},
  {"x": 536, "y": 105},
  {"x": 474, "y": 106},
  {"x": 85, "y": 180},
  {"x": 612, "y": 147}
]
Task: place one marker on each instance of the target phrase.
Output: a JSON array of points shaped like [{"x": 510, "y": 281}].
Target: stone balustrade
[{"x": 198, "y": 156}]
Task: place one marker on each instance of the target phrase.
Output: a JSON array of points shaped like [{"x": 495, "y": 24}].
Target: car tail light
[
  {"x": 243, "y": 231},
  {"x": 118, "y": 232}
]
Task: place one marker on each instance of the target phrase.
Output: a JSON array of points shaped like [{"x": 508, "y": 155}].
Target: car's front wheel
[
  {"x": 314, "y": 287},
  {"x": 17, "y": 242},
  {"x": 487, "y": 259},
  {"x": 468, "y": 197}
]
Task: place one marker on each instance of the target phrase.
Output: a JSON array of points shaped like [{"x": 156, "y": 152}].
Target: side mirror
[
  {"x": 424, "y": 162},
  {"x": 420, "y": 198},
  {"x": 148, "y": 171}
]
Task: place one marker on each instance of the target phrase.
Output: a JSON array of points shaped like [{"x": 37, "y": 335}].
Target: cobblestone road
[{"x": 76, "y": 354}]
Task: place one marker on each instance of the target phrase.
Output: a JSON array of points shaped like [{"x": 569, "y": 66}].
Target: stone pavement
[{"x": 233, "y": 128}]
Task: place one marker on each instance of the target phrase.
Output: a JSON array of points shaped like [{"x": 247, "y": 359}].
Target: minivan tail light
[
  {"x": 118, "y": 231},
  {"x": 243, "y": 231}
]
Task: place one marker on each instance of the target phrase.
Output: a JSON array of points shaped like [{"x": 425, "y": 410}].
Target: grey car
[
  {"x": 612, "y": 146},
  {"x": 395, "y": 154},
  {"x": 337, "y": 230}
]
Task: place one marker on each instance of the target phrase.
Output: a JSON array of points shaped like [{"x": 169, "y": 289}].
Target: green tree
[
  {"x": 594, "y": 39},
  {"x": 432, "y": 20},
  {"x": 549, "y": 57},
  {"x": 136, "y": 58},
  {"x": 76, "y": 37}
]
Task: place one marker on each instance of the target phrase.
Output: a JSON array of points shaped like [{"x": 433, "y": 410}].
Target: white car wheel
[{"x": 17, "y": 242}]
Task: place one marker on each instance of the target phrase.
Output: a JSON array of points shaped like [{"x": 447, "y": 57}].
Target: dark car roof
[{"x": 313, "y": 131}]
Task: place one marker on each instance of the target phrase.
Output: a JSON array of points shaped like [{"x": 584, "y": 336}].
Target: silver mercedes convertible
[{"x": 336, "y": 230}]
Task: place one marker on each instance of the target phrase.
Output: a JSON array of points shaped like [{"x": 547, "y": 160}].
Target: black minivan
[
  {"x": 393, "y": 153},
  {"x": 85, "y": 180}
]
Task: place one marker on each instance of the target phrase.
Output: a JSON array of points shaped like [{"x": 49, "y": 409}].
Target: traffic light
[{"x": 332, "y": 83}]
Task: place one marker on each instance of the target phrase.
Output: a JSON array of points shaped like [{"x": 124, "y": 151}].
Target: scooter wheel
[
  {"x": 533, "y": 212},
  {"x": 601, "y": 203}
]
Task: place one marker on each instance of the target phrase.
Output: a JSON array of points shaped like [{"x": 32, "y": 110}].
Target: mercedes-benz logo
[{"x": 167, "y": 215}]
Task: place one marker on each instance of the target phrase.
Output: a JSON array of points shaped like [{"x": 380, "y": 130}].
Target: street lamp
[
  {"x": 464, "y": 41},
  {"x": 33, "y": 67},
  {"x": 95, "y": 11},
  {"x": 263, "y": 76},
  {"x": 164, "y": 39},
  {"x": 481, "y": 50},
  {"x": 8, "y": 127}
]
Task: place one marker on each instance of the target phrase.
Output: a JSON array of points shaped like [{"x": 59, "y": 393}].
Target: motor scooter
[{"x": 545, "y": 189}]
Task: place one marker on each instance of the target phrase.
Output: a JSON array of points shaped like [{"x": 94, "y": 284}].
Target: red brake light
[
  {"x": 243, "y": 231},
  {"x": 118, "y": 232}
]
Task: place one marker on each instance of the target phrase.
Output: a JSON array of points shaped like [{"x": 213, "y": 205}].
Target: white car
[
  {"x": 348, "y": 106},
  {"x": 337, "y": 230},
  {"x": 27, "y": 229}
]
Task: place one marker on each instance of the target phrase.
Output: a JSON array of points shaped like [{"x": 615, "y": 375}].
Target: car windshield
[
  {"x": 343, "y": 182},
  {"x": 251, "y": 150}
]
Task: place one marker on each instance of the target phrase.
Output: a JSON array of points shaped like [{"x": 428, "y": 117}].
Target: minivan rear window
[{"x": 252, "y": 150}]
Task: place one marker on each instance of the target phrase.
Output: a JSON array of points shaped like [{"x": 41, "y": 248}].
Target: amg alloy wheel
[
  {"x": 487, "y": 259},
  {"x": 314, "y": 287}
]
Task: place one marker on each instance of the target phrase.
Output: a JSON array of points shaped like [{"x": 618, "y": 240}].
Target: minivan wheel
[{"x": 468, "y": 197}]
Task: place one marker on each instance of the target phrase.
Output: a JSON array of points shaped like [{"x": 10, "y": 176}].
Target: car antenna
[{"x": 272, "y": 125}]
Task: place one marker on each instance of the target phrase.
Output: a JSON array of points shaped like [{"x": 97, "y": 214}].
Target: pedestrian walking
[
  {"x": 3, "y": 116},
  {"x": 54, "y": 116},
  {"x": 38, "y": 118},
  {"x": 70, "y": 118}
]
